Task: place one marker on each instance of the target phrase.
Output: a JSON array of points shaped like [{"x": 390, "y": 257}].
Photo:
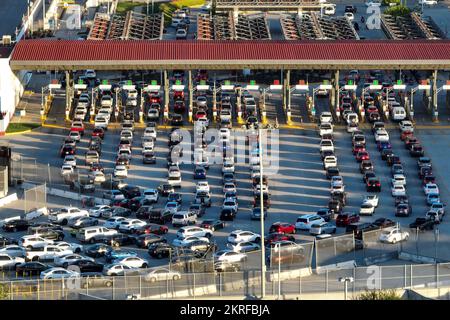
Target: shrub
[
  {"x": 379, "y": 295},
  {"x": 398, "y": 11}
]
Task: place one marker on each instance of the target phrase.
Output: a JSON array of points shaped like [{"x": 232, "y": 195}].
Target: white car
[
  {"x": 381, "y": 135},
  {"x": 329, "y": 10},
  {"x": 58, "y": 273},
  {"x": 106, "y": 101},
  {"x": 430, "y": 188},
  {"x": 151, "y": 195},
  {"x": 305, "y": 221},
  {"x": 121, "y": 171},
  {"x": 337, "y": 181},
  {"x": 98, "y": 176},
  {"x": 406, "y": 125},
  {"x": 150, "y": 132},
  {"x": 65, "y": 260},
  {"x": 230, "y": 256},
  {"x": 398, "y": 190},
  {"x": 398, "y": 179},
  {"x": 70, "y": 160},
  {"x": 147, "y": 148},
  {"x": 366, "y": 208},
  {"x": 329, "y": 161},
  {"x": 428, "y": 2},
  {"x": 75, "y": 247},
  {"x": 231, "y": 204},
  {"x": 228, "y": 167},
  {"x": 131, "y": 225},
  {"x": 132, "y": 262},
  {"x": 126, "y": 134},
  {"x": 32, "y": 241},
  {"x": 13, "y": 250},
  {"x": 238, "y": 236},
  {"x": 96, "y": 212},
  {"x": 373, "y": 199},
  {"x": 162, "y": 274},
  {"x": 193, "y": 231},
  {"x": 326, "y": 117},
  {"x": 75, "y": 135},
  {"x": 116, "y": 269},
  {"x": 66, "y": 169},
  {"x": 9, "y": 262},
  {"x": 172, "y": 206},
  {"x": 349, "y": 16},
  {"x": 202, "y": 186},
  {"x": 393, "y": 235},
  {"x": 185, "y": 241},
  {"x": 325, "y": 128},
  {"x": 114, "y": 222},
  {"x": 326, "y": 145},
  {"x": 101, "y": 122},
  {"x": 243, "y": 247},
  {"x": 229, "y": 187}
]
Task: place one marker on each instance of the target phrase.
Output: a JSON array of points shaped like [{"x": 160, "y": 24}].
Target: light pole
[
  {"x": 261, "y": 204},
  {"x": 346, "y": 280}
]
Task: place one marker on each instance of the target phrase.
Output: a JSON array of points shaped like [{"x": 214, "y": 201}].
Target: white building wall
[{"x": 11, "y": 89}]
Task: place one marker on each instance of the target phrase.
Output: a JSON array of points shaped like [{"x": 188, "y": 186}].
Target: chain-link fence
[
  {"x": 374, "y": 249},
  {"x": 35, "y": 198},
  {"x": 427, "y": 243},
  {"x": 335, "y": 250},
  {"x": 165, "y": 284}
]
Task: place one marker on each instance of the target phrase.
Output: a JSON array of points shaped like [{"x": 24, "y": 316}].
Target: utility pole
[{"x": 261, "y": 204}]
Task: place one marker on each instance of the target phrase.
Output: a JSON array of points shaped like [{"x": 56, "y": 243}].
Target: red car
[
  {"x": 344, "y": 219},
  {"x": 178, "y": 95},
  {"x": 200, "y": 115},
  {"x": 371, "y": 108},
  {"x": 410, "y": 141},
  {"x": 357, "y": 149},
  {"x": 153, "y": 228},
  {"x": 96, "y": 167},
  {"x": 275, "y": 237},
  {"x": 282, "y": 227},
  {"x": 405, "y": 135},
  {"x": 154, "y": 98},
  {"x": 98, "y": 132},
  {"x": 77, "y": 126},
  {"x": 362, "y": 155}
]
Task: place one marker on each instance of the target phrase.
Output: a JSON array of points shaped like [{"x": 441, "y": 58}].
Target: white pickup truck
[
  {"x": 65, "y": 214},
  {"x": 47, "y": 253}
]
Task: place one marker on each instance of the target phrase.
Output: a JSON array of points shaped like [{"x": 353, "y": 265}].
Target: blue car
[
  {"x": 384, "y": 145},
  {"x": 433, "y": 198},
  {"x": 200, "y": 173},
  {"x": 119, "y": 254}
]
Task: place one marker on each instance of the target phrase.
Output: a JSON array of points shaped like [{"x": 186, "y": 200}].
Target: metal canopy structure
[
  {"x": 269, "y": 5},
  {"x": 231, "y": 55}
]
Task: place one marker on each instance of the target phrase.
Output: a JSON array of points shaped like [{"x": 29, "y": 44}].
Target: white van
[
  {"x": 88, "y": 234},
  {"x": 398, "y": 113},
  {"x": 184, "y": 218},
  {"x": 306, "y": 221}
]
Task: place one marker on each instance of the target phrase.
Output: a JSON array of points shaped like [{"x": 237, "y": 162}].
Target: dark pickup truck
[{"x": 422, "y": 224}]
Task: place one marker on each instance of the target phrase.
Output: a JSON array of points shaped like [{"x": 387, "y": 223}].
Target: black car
[
  {"x": 359, "y": 227},
  {"x": 120, "y": 212},
  {"x": 366, "y": 165},
  {"x": 201, "y": 246},
  {"x": 385, "y": 153},
  {"x": 332, "y": 171},
  {"x": 368, "y": 175},
  {"x": 335, "y": 206},
  {"x": 339, "y": 196},
  {"x": 424, "y": 162},
  {"x": 176, "y": 120},
  {"x": 403, "y": 210},
  {"x": 160, "y": 250},
  {"x": 350, "y": 8},
  {"x": 373, "y": 185},
  {"x": 227, "y": 214},
  {"x": 33, "y": 268},
  {"x": 144, "y": 240},
  {"x": 416, "y": 150},
  {"x": 123, "y": 161},
  {"x": 212, "y": 224},
  {"x": 165, "y": 189},
  {"x": 175, "y": 197},
  {"x": 97, "y": 250},
  {"x": 130, "y": 192},
  {"x": 144, "y": 212},
  {"x": 66, "y": 150},
  {"x": 149, "y": 158},
  {"x": 225, "y": 266},
  {"x": 198, "y": 208},
  {"x": 325, "y": 213},
  {"x": 422, "y": 224},
  {"x": 384, "y": 223},
  {"x": 160, "y": 216},
  {"x": 425, "y": 171},
  {"x": 87, "y": 265},
  {"x": 401, "y": 199},
  {"x": 16, "y": 225},
  {"x": 228, "y": 177},
  {"x": 50, "y": 234},
  {"x": 392, "y": 159},
  {"x": 116, "y": 240},
  {"x": 5, "y": 241},
  {"x": 38, "y": 227},
  {"x": 397, "y": 169},
  {"x": 326, "y": 153}
]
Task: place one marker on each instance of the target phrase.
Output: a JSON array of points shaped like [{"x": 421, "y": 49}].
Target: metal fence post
[
  {"x": 193, "y": 277},
  {"x": 326, "y": 282},
  {"x": 411, "y": 276},
  {"x": 220, "y": 284},
  {"x": 140, "y": 285},
  {"x": 11, "y": 291},
  {"x": 437, "y": 275},
  {"x": 38, "y": 290},
  {"x": 300, "y": 285},
  {"x": 112, "y": 287},
  {"x": 404, "y": 277},
  {"x": 381, "y": 277}
]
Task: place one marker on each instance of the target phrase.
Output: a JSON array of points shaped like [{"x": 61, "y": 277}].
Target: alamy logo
[{"x": 374, "y": 20}]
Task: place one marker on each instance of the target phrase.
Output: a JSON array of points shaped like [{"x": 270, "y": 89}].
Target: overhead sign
[
  {"x": 225, "y": 87},
  {"x": 178, "y": 87},
  {"x": 153, "y": 87},
  {"x": 54, "y": 86},
  {"x": 399, "y": 86},
  {"x": 276, "y": 87},
  {"x": 350, "y": 87},
  {"x": 325, "y": 86},
  {"x": 301, "y": 87},
  {"x": 424, "y": 87},
  {"x": 375, "y": 86},
  {"x": 105, "y": 87},
  {"x": 202, "y": 87},
  {"x": 129, "y": 87},
  {"x": 80, "y": 86},
  {"x": 446, "y": 87},
  {"x": 252, "y": 87}
]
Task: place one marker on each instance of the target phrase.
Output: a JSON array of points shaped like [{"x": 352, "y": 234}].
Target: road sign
[
  {"x": 178, "y": 87},
  {"x": 54, "y": 86},
  {"x": 202, "y": 87},
  {"x": 424, "y": 87},
  {"x": 375, "y": 86},
  {"x": 446, "y": 87},
  {"x": 325, "y": 86},
  {"x": 105, "y": 87},
  {"x": 301, "y": 87},
  {"x": 252, "y": 87},
  {"x": 350, "y": 87},
  {"x": 399, "y": 86},
  {"x": 129, "y": 87},
  {"x": 276, "y": 87},
  {"x": 227, "y": 87},
  {"x": 153, "y": 87},
  {"x": 80, "y": 86}
]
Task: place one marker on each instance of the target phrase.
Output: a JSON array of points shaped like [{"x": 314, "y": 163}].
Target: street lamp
[{"x": 346, "y": 281}]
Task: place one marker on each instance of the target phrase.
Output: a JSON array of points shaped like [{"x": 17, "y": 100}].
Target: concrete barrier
[
  {"x": 8, "y": 199},
  {"x": 416, "y": 258},
  {"x": 187, "y": 293},
  {"x": 290, "y": 274},
  {"x": 336, "y": 266},
  {"x": 380, "y": 258}
]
